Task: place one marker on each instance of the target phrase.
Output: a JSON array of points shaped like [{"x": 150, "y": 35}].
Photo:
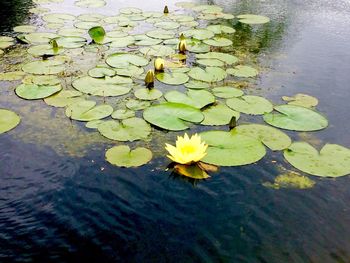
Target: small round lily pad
[
  {"x": 8, "y": 120},
  {"x": 124, "y": 157}
]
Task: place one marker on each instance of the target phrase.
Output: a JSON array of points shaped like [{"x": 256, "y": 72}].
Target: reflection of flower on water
[{"x": 187, "y": 150}]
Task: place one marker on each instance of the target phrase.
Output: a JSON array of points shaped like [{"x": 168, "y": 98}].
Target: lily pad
[
  {"x": 227, "y": 92},
  {"x": 58, "y": 18},
  {"x": 332, "y": 161},
  {"x": 248, "y": 104},
  {"x": 101, "y": 72},
  {"x": 231, "y": 149},
  {"x": 161, "y": 34},
  {"x": 210, "y": 62},
  {"x": 8, "y": 120},
  {"x": 97, "y": 34},
  {"x": 197, "y": 46},
  {"x": 172, "y": 78},
  {"x": 123, "y": 114},
  {"x": 219, "y": 115},
  {"x": 226, "y": 58},
  {"x": 122, "y": 42},
  {"x": 64, "y": 98},
  {"x": 124, "y": 157},
  {"x": 130, "y": 129},
  {"x": 303, "y": 100},
  {"x": 90, "y": 3},
  {"x": 195, "y": 98},
  {"x": 221, "y": 29},
  {"x": 242, "y": 71},
  {"x": 253, "y": 19},
  {"x": 218, "y": 42},
  {"x": 130, "y": 71},
  {"x": 157, "y": 51},
  {"x": 167, "y": 25},
  {"x": 88, "y": 111},
  {"x": 296, "y": 118},
  {"x": 93, "y": 124},
  {"x": 199, "y": 34},
  {"x": 210, "y": 74},
  {"x": 172, "y": 116},
  {"x": 12, "y": 75},
  {"x": 120, "y": 60},
  {"x": 148, "y": 94},
  {"x": 40, "y": 37},
  {"x": 45, "y": 67},
  {"x": 196, "y": 84},
  {"x": 71, "y": 42},
  {"x": 34, "y": 92},
  {"x": 273, "y": 138},
  {"x": 48, "y": 80},
  {"x": 45, "y": 50},
  {"x": 115, "y": 86},
  {"x": 24, "y": 29},
  {"x": 137, "y": 104}
]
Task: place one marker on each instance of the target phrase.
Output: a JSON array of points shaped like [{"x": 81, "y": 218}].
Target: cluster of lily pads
[{"x": 126, "y": 54}]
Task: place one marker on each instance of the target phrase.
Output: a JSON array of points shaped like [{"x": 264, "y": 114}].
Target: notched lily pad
[
  {"x": 45, "y": 67},
  {"x": 219, "y": 115},
  {"x": 249, "y": 104},
  {"x": 210, "y": 74},
  {"x": 64, "y": 98},
  {"x": 300, "y": 99},
  {"x": 227, "y": 92},
  {"x": 242, "y": 71},
  {"x": 148, "y": 94},
  {"x": 124, "y": 157},
  {"x": 34, "y": 92},
  {"x": 195, "y": 98},
  {"x": 121, "y": 60},
  {"x": 172, "y": 78},
  {"x": 123, "y": 114},
  {"x": 88, "y": 111}
]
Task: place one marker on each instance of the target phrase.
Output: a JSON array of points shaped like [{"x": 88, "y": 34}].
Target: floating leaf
[
  {"x": 64, "y": 98},
  {"x": 210, "y": 74},
  {"x": 48, "y": 80},
  {"x": 242, "y": 71},
  {"x": 34, "y": 92},
  {"x": 130, "y": 11},
  {"x": 296, "y": 118},
  {"x": 97, "y": 34},
  {"x": 303, "y": 100},
  {"x": 115, "y": 86},
  {"x": 137, "y": 104},
  {"x": 171, "y": 116},
  {"x": 45, "y": 50},
  {"x": 332, "y": 161},
  {"x": 130, "y": 129},
  {"x": 94, "y": 124},
  {"x": 196, "y": 46},
  {"x": 101, "y": 72},
  {"x": 248, "y": 104},
  {"x": 90, "y": 3},
  {"x": 226, "y": 92},
  {"x": 148, "y": 94},
  {"x": 231, "y": 149},
  {"x": 219, "y": 115},
  {"x": 86, "y": 25},
  {"x": 87, "y": 111},
  {"x": 24, "y": 29},
  {"x": 167, "y": 25},
  {"x": 218, "y": 42},
  {"x": 71, "y": 32},
  {"x": 8, "y": 120},
  {"x": 122, "y": 42},
  {"x": 195, "y": 98},
  {"x": 123, "y": 114},
  {"x": 172, "y": 78},
  {"x": 57, "y": 18},
  {"x": 191, "y": 171},
  {"x": 253, "y": 19},
  {"x": 12, "y": 75},
  {"x": 226, "y": 58},
  {"x": 120, "y": 60},
  {"x": 90, "y": 17},
  {"x": 46, "y": 67},
  {"x": 210, "y": 62},
  {"x": 41, "y": 37},
  {"x": 161, "y": 34},
  {"x": 70, "y": 42},
  {"x": 196, "y": 84},
  {"x": 274, "y": 139},
  {"x": 124, "y": 157},
  {"x": 221, "y": 29},
  {"x": 199, "y": 34},
  {"x": 157, "y": 51},
  {"x": 130, "y": 71}
]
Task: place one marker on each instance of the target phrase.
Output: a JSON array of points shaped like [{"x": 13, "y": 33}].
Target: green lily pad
[
  {"x": 45, "y": 50},
  {"x": 122, "y": 42},
  {"x": 64, "y": 98},
  {"x": 167, "y": 25},
  {"x": 161, "y": 34},
  {"x": 221, "y": 29},
  {"x": 90, "y": 17},
  {"x": 242, "y": 71},
  {"x": 137, "y": 104},
  {"x": 8, "y": 120},
  {"x": 210, "y": 62},
  {"x": 218, "y": 42},
  {"x": 226, "y": 92},
  {"x": 172, "y": 116},
  {"x": 231, "y": 149},
  {"x": 106, "y": 87},
  {"x": 303, "y": 100},
  {"x": 196, "y": 84},
  {"x": 24, "y": 29},
  {"x": 40, "y": 37},
  {"x": 273, "y": 138},
  {"x": 70, "y": 42},
  {"x": 130, "y": 71},
  {"x": 248, "y": 104},
  {"x": 148, "y": 94},
  {"x": 219, "y": 115},
  {"x": 90, "y": 3},
  {"x": 71, "y": 32},
  {"x": 208, "y": 9},
  {"x": 181, "y": 18},
  {"x": 172, "y": 78},
  {"x": 97, "y": 34},
  {"x": 210, "y": 74},
  {"x": 131, "y": 129},
  {"x": 57, "y": 18},
  {"x": 88, "y": 111},
  {"x": 45, "y": 67},
  {"x": 130, "y": 11},
  {"x": 48, "y": 80},
  {"x": 296, "y": 118},
  {"x": 121, "y": 60},
  {"x": 34, "y": 92},
  {"x": 101, "y": 72},
  {"x": 157, "y": 51},
  {"x": 124, "y": 157},
  {"x": 147, "y": 41},
  {"x": 86, "y": 25},
  {"x": 93, "y": 124},
  {"x": 199, "y": 34},
  {"x": 253, "y": 19},
  {"x": 116, "y": 34},
  {"x": 226, "y": 58},
  {"x": 332, "y": 161},
  {"x": 195, "y": 98},
  {"x": 197, "y": 46},
  {"x": 123, "y": 114},
  {"x": 12, "y": 75}
]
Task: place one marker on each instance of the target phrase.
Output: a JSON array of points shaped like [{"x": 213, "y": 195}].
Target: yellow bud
[
  {"x": 149, "y": 80},
  {"x": 159, "y": 64},
  {"x": 166, "y": 10},
  {"x": 182, "y": 37},
  {"x": 182, "y": 46}
]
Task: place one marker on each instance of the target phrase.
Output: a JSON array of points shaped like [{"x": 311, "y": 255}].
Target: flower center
[{"x": 188, "y": 149}]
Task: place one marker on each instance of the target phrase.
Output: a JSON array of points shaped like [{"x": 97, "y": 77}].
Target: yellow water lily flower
[{"x": 187, "y": 150}]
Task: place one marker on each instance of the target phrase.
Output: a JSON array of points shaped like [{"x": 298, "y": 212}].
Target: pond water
[{"x": 60, "y": 201}]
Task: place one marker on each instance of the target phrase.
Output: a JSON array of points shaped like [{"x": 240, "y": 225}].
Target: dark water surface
[{"x": 57, "y": 208}]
